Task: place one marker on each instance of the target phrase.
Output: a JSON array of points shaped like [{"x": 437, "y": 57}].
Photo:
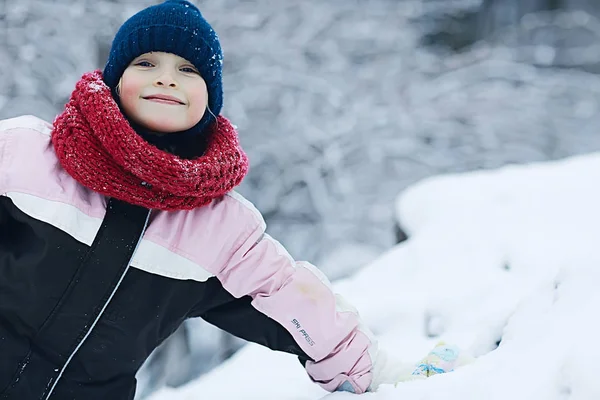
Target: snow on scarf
[{"x": 97, "y": 147}]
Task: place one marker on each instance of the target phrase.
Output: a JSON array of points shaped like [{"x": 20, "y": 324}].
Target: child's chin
[{"x": 163, "y": 126}]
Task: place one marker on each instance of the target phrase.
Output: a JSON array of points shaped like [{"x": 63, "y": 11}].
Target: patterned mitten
[{"x": 443, "y": 358}]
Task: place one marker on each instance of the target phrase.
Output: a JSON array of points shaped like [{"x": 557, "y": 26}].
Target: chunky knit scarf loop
[{"x": 98, "y": 147}]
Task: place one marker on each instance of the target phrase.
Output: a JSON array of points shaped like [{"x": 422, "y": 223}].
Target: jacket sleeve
[
  {"x": 241, "y": 319},
  {"x": 338, "y": 348},
  {"x": 16, "y": 142}
]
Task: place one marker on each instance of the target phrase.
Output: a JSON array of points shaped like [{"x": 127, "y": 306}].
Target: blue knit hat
[{"x": 177, "y": 27}]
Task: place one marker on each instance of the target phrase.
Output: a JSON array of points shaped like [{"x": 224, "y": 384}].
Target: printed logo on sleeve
[{"x": 303, "y": 332}]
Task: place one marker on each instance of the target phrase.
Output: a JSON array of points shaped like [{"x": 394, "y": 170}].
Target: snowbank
[{"x": 508, "y": 256}]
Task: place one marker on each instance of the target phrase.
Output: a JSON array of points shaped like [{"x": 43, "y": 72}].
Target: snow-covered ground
[{"x": 509, "y": 255}]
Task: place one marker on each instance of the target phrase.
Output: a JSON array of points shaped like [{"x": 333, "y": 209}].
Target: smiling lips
[{"x": 164, "y": 99}]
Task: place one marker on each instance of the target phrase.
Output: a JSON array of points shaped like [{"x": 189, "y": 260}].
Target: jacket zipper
[{"x": 101, "y": 311}]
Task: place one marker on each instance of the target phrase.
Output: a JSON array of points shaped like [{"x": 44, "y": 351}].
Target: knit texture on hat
[
  {"x": 98, "y": 148},
  {"x": 177, "y": 27}
]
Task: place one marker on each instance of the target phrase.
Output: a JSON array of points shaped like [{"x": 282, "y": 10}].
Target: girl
[{"x": 119, "y": 221}]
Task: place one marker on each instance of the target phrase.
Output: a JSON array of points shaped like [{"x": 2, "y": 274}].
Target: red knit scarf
[{"x": 97, "y": 147}]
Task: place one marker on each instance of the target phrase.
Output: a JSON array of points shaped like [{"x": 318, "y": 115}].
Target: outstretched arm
[{"x": 298, "y": 299}]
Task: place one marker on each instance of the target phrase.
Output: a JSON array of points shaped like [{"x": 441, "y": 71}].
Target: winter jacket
[{"x": 89, "y": 286}]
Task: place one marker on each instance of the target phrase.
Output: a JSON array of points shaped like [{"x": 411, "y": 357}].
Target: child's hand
[{"x": 443, "y": 358}]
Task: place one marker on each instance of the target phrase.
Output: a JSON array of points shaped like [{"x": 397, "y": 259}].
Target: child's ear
[{"x": 118, "y": 88}]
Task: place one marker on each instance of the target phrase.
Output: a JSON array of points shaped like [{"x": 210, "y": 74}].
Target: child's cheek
[
  {"x": 130, "y": 97},
  {"x": 130, "y": 90},
  {"x": 199, "y": 99}
]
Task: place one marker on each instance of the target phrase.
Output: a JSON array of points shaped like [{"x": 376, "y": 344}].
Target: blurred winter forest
[{"x": 341, "y": 104}]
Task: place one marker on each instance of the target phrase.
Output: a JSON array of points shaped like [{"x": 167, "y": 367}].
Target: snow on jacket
[{"x": 89, "y": 286}]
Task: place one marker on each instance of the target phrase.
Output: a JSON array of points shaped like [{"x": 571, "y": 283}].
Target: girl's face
[{"x": 163, "y": 92}]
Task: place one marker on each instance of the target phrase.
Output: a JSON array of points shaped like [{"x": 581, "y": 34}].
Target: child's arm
[{"x": 291, "y": 307}]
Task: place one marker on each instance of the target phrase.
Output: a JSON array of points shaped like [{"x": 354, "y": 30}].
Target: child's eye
[
  {"x": 189, "y": 70},
  {"x": 144, "y": 64}
]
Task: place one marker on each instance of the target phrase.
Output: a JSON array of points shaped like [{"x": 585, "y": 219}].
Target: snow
[{"x": 507, "y": 255}]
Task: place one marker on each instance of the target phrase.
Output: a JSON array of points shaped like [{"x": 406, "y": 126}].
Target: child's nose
[{"x": 165, "y": 79}]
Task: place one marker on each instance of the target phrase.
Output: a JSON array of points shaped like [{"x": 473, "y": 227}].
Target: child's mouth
[{"x": 164, "y": 100}]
